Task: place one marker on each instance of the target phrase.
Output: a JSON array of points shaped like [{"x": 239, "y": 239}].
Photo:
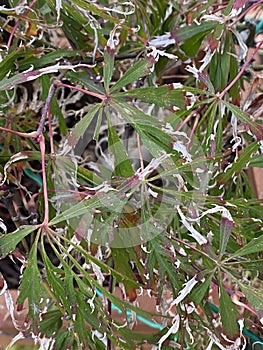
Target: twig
[
  {"x": 18, "y": 133},
  {"x": 17, "y": 24},
  {"x": 87, "y": 92},
  {"x": 188, "y": 245},
  {"x": 249, "y": 59},
  {"x": 46, "y": 108},
  {"x": 244, "y": 12},
  {"x": 193, "y": 131}
]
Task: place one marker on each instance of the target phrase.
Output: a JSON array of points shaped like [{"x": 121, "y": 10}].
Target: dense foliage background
[{"x": 127, "y": 131}]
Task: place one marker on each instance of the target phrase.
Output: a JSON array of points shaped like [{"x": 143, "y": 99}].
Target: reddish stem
[
  {"x": 196, "y": 121},
  {"x": 244, "y": 12},
  {"x": 87, "y": 92},
  {"x": 22, "y": 134},
  {"x": 188, "y": 245},
  {"x": 18, "y": 22},
  {"x": 249, "y": 59}
]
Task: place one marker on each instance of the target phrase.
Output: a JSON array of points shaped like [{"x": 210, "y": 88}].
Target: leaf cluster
[{"x": 126, "y": 139}]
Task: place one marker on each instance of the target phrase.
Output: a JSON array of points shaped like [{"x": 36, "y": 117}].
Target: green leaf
[
  {"x": 9, "y": 83},
  {"x": 96, "y": 133},
  {"x": 108, "y": 66},
  {"x": 7, "y": 63},
  {"x": 163, "y": 96},
  {"x": 256, "y": 161},
  {"x": 254, "y": 246},
  {"x": 252, "y": 264},
  {"x": 9, "y": 241},
  {"x": 69, "y": 167},
  {"x": 257, "y": 129},
  {"x": 226, "y": 226},
  {"x": 82, "y": 125},
  {"x": 228, "y": 313},
  {"x": 51, "y": 322},
  {"x": 84, "y": 78},
  {"x": 198, "y": 293},
  {"x": 148, "y": 128},
  {"x": 54, "y": 278},
  {"x": 220, "y": 65},
  {"x": 192, "y": 30},
  {"x": 192, "y": 45},
  {"x": 30, "y": 287},
  {"x": 254, "y": 296},
  {"x": 122, "y": 264},
  {"x": 96, "y": 10},
  {"x": 243, "y": 159},
  {"x": 64, "y": 339},
  {"x": 136, "y": 71},
  {"x": 122, "y": 164},
  {"x": 79, "y": 323},
  {"x": 45, "y": 59}
]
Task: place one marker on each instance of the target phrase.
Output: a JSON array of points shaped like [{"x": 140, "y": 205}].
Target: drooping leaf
[
  {"x": 228, "y": 313},
  {"x": 138, "y": 70},
  {"x": 256, "y": 128},
  {"x": 84, "y": 78},
  {"x": 163, "y": 96},
  {"x": 226, "y": 226},
  {"x": 192, "y": 45},
  {"x": 254, "y": 296},
  {"x": 199, "y": 292},
  {"x": 187, "y": 32},
  {"x": 122, "y": 264},
  {"x": 108, "y": 66},
  {"x": 55, "y": 283},
  {"x": 256, "y": 161},
  {"x": 82, "y": 125},
  {"x": 243, "y": 159},
  {"x": 31, "y": 287},
  {"x": 9, "y": 83},
  {"x": 220, "y": 66},
  {"x": 9, "y": 241},
  {"x": 122, "y": 163},
  {"x": 51, "y": 322},
  {"x": 254, "y": 246}
]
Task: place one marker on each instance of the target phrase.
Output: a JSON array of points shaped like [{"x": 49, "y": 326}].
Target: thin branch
[
  {"x": 18, "y": 22},
  {"x": 244, "y": 12},
  {"x": 249, "y": 59},
  {"x": 33, "y": 134},
  {"x": 188, "y": 245},
  {"x": 87, "y": 92}
]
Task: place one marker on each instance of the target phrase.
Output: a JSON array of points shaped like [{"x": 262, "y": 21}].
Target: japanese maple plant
[{"x": 128, "y": 130}]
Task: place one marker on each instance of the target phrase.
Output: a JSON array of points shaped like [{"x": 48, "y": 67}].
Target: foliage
[{"x": 127, "y": 129}]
